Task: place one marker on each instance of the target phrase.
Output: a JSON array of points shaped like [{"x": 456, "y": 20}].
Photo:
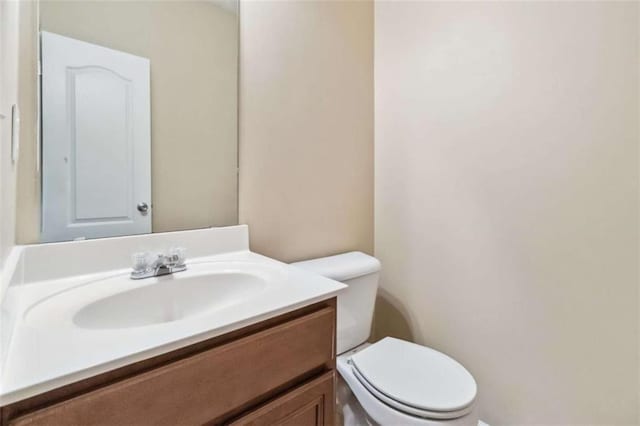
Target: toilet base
[{"x": 349, "y": 411}]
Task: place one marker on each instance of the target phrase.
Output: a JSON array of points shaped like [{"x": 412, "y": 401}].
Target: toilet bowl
[{"x": 392, "y": 381}]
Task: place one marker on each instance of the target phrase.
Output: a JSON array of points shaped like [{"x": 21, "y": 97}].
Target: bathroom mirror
[{"x": 138, "y": 105}]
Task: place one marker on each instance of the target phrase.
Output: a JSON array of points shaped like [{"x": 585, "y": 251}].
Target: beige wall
[
  {"x": 192, "y": 46},
  {"x": 507, "y": 199},
  {"x": 9, "y": 45},
  {"x": 306, "y": 127}
]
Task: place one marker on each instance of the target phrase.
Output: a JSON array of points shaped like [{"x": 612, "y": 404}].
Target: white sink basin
[
  {"x": 171, "y": 299},
  {"x": 118, "y": 302}
]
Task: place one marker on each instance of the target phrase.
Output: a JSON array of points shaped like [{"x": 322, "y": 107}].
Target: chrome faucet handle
[
  {"x": 177, "y": 256},
  {"x": 141, "y": 261},
  {"x": 169, "y": 260}
]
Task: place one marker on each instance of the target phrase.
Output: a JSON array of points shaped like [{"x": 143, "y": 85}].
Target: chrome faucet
[{"x": 146, "y": 264}]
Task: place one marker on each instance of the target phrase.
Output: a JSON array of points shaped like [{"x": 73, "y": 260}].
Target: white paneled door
[{"x": 96, "y": 146}]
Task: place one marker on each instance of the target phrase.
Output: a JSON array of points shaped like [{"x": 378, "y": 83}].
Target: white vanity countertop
[{"x": 42, "y": 357}]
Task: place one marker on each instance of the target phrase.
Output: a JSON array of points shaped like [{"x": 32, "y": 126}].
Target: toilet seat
[{"x": 415, "y": 379}]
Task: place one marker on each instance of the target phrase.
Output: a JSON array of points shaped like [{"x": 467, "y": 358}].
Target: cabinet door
[{"x": 311, "y": 404}]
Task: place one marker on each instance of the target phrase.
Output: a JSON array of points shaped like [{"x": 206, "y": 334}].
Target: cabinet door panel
[{"x": 311, "y": 404}]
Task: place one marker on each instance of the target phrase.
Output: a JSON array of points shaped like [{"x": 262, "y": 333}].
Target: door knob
[{"x": 143, "y": 207}]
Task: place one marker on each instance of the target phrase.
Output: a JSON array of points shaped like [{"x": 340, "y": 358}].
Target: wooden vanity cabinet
[{"x": 277, "y": 372}]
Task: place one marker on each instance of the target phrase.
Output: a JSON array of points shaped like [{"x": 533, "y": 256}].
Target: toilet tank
[{"x": 360, "y": 273}]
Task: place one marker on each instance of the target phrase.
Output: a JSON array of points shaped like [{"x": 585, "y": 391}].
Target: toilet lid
[
  {"x": 416, "y": 376},
  {"x": 437, "y": 415}
]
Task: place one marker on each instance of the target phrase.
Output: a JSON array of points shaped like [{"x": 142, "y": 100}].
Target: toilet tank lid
[{"x": 343, "y": 266}]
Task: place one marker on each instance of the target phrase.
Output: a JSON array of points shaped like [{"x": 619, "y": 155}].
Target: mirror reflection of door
[{"x": 96, "y": 158}]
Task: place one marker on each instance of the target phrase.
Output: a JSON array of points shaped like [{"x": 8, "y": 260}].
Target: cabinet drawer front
[
  {"x": 206, "y": 386},
  {"x": 311, "y": 404}
]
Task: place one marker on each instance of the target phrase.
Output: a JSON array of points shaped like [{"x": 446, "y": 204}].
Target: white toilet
[{"x": 391, "y": 382}]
